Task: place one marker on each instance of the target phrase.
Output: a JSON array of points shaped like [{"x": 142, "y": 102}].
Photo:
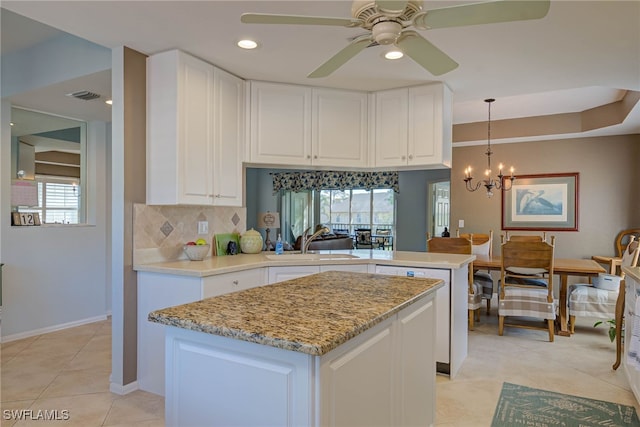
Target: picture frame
[{"x": 546, "y": 202}]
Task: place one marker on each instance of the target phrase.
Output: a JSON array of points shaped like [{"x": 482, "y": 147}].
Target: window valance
[{"x": 334, "y": 180}]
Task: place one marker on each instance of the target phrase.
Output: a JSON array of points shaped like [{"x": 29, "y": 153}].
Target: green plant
[{"x": 612, "y": 327}]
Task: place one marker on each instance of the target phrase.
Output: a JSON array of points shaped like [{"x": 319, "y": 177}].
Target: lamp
[
  {"x": 488, "y": 182},
  {"x": 268, "y": 220}
]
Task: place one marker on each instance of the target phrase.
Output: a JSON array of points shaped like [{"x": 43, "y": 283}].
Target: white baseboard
[
  {"x": 123, "y": 389},
  {"x": 54, "y": 328}
]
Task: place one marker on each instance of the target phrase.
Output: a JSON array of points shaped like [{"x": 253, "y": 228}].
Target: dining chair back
[
  {"x": 623, "y": 239},
  {"x": 526, "y": 284},
  {"x": 460, "y": 245},
  {"x": 525, "y": 237}
]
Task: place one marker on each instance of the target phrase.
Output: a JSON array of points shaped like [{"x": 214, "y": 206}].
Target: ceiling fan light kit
[{"x": 390, "y": 23}]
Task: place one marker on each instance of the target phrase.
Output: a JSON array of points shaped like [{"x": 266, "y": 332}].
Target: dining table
[{"x": 563, "y": 267}]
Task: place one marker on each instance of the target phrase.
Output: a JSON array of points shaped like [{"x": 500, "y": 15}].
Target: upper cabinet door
[
  {"x": 391, "y": 120},
  {"x": 195, "y": 132},
  {"x": 228, "y": 148},
  {"x": 179, "y": 129},
  {"x": 339, "y": 128},
  {"x": 429, "y": 126},
  {"x": 280, "y": 124}
]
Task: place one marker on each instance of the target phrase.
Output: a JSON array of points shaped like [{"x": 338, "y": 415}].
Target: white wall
[{"x": 54, "y": 276}]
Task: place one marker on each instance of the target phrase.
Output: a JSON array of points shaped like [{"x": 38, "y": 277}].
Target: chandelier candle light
[{"x": 488, "y": 182}]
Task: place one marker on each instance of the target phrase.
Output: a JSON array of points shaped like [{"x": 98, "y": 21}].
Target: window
[{"x": 340, "y": 210}]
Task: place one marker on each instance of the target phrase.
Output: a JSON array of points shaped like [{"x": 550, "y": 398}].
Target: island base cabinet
[{"x": 384, "y": 376}]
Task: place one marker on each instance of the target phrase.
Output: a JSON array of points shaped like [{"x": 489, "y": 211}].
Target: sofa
[{"x": 326, "y": 242}]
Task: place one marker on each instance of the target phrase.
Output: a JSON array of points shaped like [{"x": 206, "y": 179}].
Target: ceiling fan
[{"x": 390, "y": 22}]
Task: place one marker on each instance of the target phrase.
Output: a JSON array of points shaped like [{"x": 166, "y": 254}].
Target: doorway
[{"x": 438, "y": 197}]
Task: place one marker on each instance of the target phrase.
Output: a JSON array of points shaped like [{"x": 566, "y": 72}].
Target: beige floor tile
[
  {"x": 83, "y": 360},
  {"x": 25, "y": 385},
  {"x": 83, "y": 411},
  {"x": 73, "y": 383},
  {"x": 10, "y": 411},
  {"x": 138, "y": 406}
]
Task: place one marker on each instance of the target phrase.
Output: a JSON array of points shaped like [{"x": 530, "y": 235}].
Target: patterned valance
[{"x": 333, "y": 180}]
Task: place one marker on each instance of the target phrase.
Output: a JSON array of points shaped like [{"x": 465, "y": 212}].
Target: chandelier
[{"x": 488, "y": 182}]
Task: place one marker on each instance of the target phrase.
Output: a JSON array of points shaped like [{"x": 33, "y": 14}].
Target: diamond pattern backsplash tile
[{"x": 161, "y": 231}]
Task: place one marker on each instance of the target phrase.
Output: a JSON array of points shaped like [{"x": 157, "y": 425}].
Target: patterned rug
[{"x": 524, "y": 406}]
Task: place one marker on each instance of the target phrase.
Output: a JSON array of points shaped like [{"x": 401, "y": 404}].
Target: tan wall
[{"x": 609, "y": 200}]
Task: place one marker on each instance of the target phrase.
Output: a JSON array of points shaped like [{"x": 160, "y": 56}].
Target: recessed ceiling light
[
  {"x": 393, "y": 54},
  {"x": 109, "y": 101},
  {"x": 247, "y": 44}
]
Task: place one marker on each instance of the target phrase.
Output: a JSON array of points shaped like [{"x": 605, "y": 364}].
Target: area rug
[{"x": 524, "y": 406}]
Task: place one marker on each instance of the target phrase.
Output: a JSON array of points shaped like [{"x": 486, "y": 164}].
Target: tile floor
[{"x": 69, "y": 370}]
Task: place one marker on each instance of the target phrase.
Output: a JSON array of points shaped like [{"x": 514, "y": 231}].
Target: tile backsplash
[{"x": 159, "y": 232}]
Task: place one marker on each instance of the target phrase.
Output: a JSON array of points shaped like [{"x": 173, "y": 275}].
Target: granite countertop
[
  {"x": 230, "y": 263},
  {"x": 312, "y": 314}
]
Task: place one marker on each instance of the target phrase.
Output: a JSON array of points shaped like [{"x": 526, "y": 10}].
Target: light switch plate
[
  {"x": 203, "y": 227},
  {"x": 461, "y": 223}
]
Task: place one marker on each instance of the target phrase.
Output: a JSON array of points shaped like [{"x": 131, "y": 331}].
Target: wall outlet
[
  {"x": 461, "y": 223},
  {"x": 203, "y": 227}
]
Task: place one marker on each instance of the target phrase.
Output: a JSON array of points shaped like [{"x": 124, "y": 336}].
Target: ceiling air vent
[{"x": 84, "y": 95}]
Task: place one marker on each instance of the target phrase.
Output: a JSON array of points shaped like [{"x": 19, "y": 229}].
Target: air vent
[{"x": 84, "y": 95}]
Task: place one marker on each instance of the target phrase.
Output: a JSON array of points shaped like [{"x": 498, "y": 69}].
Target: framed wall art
[{"x": 542, "y": 202}]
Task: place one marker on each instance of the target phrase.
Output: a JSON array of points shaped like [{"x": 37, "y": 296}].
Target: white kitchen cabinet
[
  {"x": 304, "y": 126},
  {"x": 195, "y": 123},
  {"x": 280, "y": 274},
  {"x": 339, "y": 131},
  {"x": 413, "y": 127},
  {"x": 356, "y": 268},
  {"x": 156, "y": 291},
  {"x": 632, "y": 293},
  {"x": 451, "y": 300}
]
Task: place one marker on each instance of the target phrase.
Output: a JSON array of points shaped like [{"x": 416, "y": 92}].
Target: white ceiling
[{"x": 581, "y": 55}]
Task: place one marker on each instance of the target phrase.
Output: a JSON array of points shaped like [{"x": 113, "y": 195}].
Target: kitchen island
[{"x": 334, "y": 348}]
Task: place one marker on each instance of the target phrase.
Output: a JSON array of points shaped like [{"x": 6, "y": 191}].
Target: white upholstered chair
[
  {"x": 482, "y": 244},
  {"x": 598, "y": 299},
  {"x": 459, "y": 245},
  {"x": 526, "y": 284}
]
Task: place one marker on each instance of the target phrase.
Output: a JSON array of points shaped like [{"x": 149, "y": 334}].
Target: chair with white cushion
[
  {"x": 482, "y": 245},
  {"x": 526, "y": 284},
  {"x": 459, "y": 245},
  {"x": 598, "y": 299}
]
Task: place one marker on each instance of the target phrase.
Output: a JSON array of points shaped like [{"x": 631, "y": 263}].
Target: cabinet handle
[
  {"x": 217, "y": 196},
  {"x": 234, "y": 283},
  {"x": 404, "y": 157},
  {"x": 410, "y": 156},
  {"x": 308, "y": 156},
  {"x": 315, "y": 157}
]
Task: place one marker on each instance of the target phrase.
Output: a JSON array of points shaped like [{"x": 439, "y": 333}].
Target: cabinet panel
[
  {"x": 195, "y": 117},
  {"x": 391, "y": 119},
  {"x": 339, "y": 132},
  {"x": 280, "y": 274},
  {"x": 358, "y": 268},
  {"x": 221, "y": 284},
  {"x": 229, "y": 138},
  {"x": 280, "y": 124}
]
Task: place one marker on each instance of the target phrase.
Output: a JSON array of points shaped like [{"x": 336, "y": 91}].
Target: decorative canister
[{"x": 251, "y": 242}]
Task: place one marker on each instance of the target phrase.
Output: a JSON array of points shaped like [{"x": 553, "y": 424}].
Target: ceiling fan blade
[
  {"x": 395, "y": 7},
  {"x": 337, "y": 60},
  {"x": 484, "y": 13},
  {"x": 267, "y": 18},
  {"x": 425, "y": 53}
]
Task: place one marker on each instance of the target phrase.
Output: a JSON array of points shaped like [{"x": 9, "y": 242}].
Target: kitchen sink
[{"x": 309, "y": 257}]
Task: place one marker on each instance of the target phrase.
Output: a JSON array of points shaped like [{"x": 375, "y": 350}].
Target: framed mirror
[{"x": 48, "y": 166}]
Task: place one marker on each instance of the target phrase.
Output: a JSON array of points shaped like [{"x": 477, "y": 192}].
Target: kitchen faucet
[{"x": 304, "y": 243}]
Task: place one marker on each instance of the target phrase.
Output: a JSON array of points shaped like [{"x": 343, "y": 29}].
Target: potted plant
[{"x": 612, "y": 327}]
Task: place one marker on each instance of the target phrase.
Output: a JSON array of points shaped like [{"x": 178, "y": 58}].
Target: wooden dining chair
[
  {"x": 460, "y": 245},
  {"x": 525, "y": 237},
  {"x": 526, "y": 284},
  {"x": 482, "y": 244},
  {"x": 622, "y": 241}
]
